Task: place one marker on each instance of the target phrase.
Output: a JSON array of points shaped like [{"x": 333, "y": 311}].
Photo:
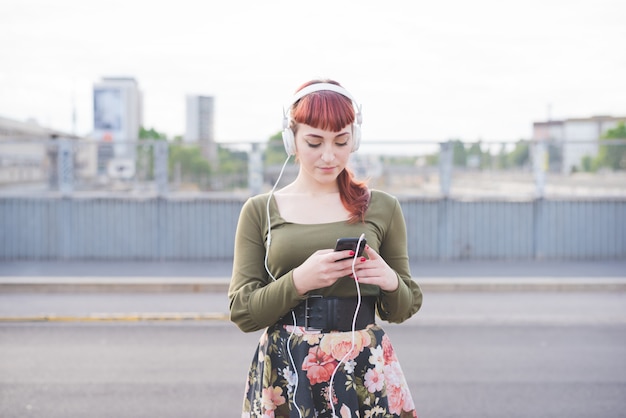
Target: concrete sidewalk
[{"x": 214, "y": 276}]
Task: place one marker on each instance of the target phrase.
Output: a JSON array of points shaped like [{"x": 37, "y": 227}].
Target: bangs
[{"x": 325, "y": 110}]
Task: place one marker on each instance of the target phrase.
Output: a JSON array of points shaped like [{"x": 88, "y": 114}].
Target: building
[
  {"x": 199, "y": 126},
  {"x": 117, "y": 118},
  {"x": 29, "y": 151},
  {"x": 570, "y": 140}
]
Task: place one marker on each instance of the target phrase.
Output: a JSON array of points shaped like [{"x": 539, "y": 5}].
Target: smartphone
[{"x": 350, "y": 244}]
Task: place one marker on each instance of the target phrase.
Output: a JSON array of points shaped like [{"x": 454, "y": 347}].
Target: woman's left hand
[{"x": 375, "y": 270}]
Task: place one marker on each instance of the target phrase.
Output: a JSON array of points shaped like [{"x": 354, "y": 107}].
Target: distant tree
[
  {"x": 188, "y": 162},
  {"x": 275, "y": 151},
  {"x": 612, "y": 156},
  {"x": 232, "y": 162},
  {"x": 151, "y": 134},
  {"x": 520, "y": 156},
  {"x": 145, "y": 152},
  {"x": 501, "y": 159},
  {"x": 459, "y": 158},
  {"x": 587, "y": 163}
]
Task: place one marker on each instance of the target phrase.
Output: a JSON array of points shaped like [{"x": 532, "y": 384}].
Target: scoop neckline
[{"x": 278, "y": 214}]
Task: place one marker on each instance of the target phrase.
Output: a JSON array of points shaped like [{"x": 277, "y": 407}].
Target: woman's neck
[{"x": 302, "y": 187}]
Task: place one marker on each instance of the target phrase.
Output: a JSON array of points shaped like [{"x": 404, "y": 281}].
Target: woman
[{"x": 322, "y": 353}]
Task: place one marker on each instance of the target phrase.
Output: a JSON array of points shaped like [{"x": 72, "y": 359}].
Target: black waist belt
[{"x": 328, "y": 314}]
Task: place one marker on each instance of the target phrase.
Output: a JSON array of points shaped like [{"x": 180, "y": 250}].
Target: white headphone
[{"x": 288, "y": 136}]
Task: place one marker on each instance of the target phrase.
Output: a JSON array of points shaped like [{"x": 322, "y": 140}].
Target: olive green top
[{"x": 258, "y": 300}]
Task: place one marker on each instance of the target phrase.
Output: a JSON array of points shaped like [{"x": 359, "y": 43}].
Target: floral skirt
[{"x": 366, "y": 378}]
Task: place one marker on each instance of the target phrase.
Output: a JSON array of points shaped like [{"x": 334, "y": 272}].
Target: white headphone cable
[
  {"x": 269, "y": 220},
  {"x": 356, "y": 313},
  {"x": 293, "y": 314}
]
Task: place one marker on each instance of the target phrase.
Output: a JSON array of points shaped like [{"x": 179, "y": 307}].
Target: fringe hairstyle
[{"x": 332, "y": 111}]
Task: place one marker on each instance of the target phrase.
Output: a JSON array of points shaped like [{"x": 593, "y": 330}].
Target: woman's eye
[
  {"x": 342, "y": 144},
  {"x": 313, "y": 145}
]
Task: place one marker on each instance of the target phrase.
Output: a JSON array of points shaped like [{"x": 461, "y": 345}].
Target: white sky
[{"x": 426, "y": 70}]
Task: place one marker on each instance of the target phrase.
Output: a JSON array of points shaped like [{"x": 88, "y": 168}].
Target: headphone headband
[
  {"x": 288, "y": 135},
  {"x": 321, "y": 87}
]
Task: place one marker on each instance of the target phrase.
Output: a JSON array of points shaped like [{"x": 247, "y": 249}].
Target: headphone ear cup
[
  {"x": 289, "y": 141},
  {"x": 356, "y": 137}
]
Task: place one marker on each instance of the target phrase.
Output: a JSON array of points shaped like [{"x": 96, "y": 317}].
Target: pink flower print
[
  {"x": 389, "y": 353},
  {"x": 319, "y": 365},
  {"x": 398, "y": 392},
  {"x": 396, "y": 399},
  {"x": 339, "y": 344},
  {"x": 374, "y": 381},
  {"x": 393, "y": 374},
  {"x": 271, "y": 398}
]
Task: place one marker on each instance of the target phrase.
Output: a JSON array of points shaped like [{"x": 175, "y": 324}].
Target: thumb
[{"x": 371, "y": 254}]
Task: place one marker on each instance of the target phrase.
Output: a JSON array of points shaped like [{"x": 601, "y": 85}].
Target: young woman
[{"x": 322, "y": 353}]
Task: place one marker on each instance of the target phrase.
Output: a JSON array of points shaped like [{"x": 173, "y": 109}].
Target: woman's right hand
[{"x": 322, "y": 269}]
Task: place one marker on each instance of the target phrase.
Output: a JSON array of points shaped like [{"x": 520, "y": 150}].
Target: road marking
[{"x": 120, "y": 317}]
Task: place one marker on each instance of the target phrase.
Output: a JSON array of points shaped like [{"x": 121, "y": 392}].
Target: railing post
[
  {"x": 65, "y": 167},
  {"x": 161, "y": 151},
  {"x": 539, "y": 167},
  {"x": 255, "y": 169},
  {"x": 445, "y": 167}
]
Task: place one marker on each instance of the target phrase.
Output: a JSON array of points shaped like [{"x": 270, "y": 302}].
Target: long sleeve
[
  {"x": 406, "y": 300},
  {"x": 256, "y": 300}
]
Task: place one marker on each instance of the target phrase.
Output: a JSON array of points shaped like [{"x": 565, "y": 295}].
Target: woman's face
[{"x": 323, "y": 154}]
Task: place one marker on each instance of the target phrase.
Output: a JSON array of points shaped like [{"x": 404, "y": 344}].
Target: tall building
[
  {"x": 117, "y": 117},
  {"x": 573, "y": 139},
  {"x": 199, "y": 127}
]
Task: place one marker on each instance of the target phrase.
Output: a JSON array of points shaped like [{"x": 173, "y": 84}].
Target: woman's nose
[{"x": 328, "y": 154}]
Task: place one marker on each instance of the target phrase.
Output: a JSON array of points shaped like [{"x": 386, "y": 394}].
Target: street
[{"x": 466, "y": 354}]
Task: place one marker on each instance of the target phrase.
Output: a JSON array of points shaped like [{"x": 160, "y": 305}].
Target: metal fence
[
  {"x": 73, "y": 200},
  {"x": 203, "y": 228}
]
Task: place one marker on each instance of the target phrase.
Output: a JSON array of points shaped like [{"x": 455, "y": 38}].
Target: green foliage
[
  {"x": 473, "y": 156},
  {"x": 275, "y": 151},
  {"x": 612, "y": 156},
  {"x": 588, "y": 164},
  {"x": 189, "y": 161},
  {"x": 232, "y": 162},
  {"x": 151, "y": 134},
  {"x": 459, "y": 158},
  {"x": 501, "y": 159},
  {"x": 520, "y": 156},
  {"x": 145, "y": 152}
]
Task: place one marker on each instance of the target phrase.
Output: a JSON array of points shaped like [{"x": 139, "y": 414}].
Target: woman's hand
[
  {"x": 375, "y": 270},
  {"x": 322, "y": 269}
]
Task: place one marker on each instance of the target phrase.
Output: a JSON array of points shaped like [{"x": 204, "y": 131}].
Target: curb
[
  {"x": 118, "y": 317},
  {"x": 20, "y": 284},
  {"x": 527, "y": 284},
  {"x": 40, "y": 284}
]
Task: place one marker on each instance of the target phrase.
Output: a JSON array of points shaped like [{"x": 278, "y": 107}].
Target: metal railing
[{"x": 525, "y": 169}]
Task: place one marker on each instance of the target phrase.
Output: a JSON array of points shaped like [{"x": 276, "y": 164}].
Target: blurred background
[
  {"x": 136, "y": 130},
  {"x": 132, "y": 132}
]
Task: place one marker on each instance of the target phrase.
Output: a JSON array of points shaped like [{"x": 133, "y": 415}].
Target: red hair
[{"x": 332, "y": 111}]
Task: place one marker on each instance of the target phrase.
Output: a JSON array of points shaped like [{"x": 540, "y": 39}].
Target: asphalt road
[{"x": 466, "y": 354}]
